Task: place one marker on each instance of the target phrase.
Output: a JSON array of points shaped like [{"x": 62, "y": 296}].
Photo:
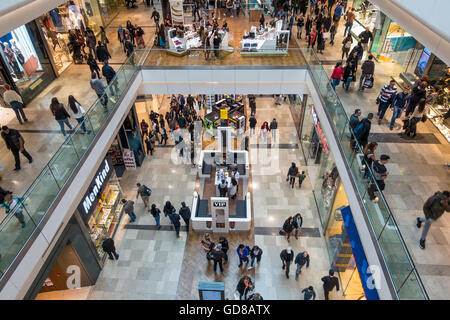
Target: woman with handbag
[
  {"x": 264, "y": 130},
  {"x": 321, "y": 35},
  {"x": 346, "y": 45}
]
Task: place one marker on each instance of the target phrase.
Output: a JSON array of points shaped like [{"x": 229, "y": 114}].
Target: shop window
[
  {"x": 65, "y": 24},
  {"x": 25, "y": 58}
]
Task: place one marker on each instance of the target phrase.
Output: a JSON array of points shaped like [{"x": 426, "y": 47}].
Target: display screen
[
  {"x": 211, "y": 295},
  {"x": 421, "y": 65}
]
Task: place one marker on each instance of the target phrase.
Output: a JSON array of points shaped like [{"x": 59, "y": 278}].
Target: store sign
[
  {"x": 319, "y": 130},
  {"x": 219, "y": 204},
  {"x": 95, "y": 189},
  {"x": 223, "y": 114}
]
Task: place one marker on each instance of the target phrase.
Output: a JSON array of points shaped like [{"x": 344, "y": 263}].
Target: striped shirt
[{"x": 387, "y": 93}]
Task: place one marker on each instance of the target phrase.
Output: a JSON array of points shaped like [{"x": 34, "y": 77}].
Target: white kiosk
[{"x": 221, "y": 214}]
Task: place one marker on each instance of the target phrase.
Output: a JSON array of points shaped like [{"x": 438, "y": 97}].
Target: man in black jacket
[
  {"x": 109, "y": 73},
  {"x": 329, "y": 282},
  {"x": 217, "y": 255},
  {"x": 433, "y": 209},
  {"x": 110, "y": 249},
  {"x": 14, "y": 142},
  {"x": 367, "y": 69},
  {"x": 289, "y": 225},
  {"x": 185, "y": 213},
  {"x": 102, "y": 53},
  {"x": 300, "y": 260},
  {"x": 364, "y": 37},
  {"x": 287, "y": 256},
  {"x": 252, "y": 121},
  {"x": 175, "y": 218},
  {"x": 224, "y": 246},
  {"x": 274, "y": 129},
  {"x": 362, "y": 130}
]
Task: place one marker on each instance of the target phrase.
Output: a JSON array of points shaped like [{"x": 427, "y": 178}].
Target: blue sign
[{"x": 358, "y": 253}]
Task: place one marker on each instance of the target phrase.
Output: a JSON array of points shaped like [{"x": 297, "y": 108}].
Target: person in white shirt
[
  {"x": 13, "y": 99},
  {"x": 235, "y": 174},
  {"x": 76, "y": 111}
]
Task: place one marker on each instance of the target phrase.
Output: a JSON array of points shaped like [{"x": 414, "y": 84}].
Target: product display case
[
  {"x": 439, "y": 115},
  {"x": 265, "y": 41},
  {"x": 106, "y": 216}
]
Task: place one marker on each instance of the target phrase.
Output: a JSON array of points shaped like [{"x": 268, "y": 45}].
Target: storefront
[
  {"x": 320, "y": 161},
  {"x": 25, "y": 63},
  {"x": 391, "y": 43},
  {"x": 439, "y": 76},
  {"x": 345, "y": 250},
  {"x": 72, "y": 17},
  {"x": 109, "y": 10},
  {"x": 100, "y": 207},
  {"x": 71, "y": 268}
]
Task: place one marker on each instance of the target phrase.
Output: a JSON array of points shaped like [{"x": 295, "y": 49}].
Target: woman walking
[
  {"x": 234, "y": 188},
  {"x": 346, "y": 44},
  {"x": 321, "y": 40},
  {"x": 140, "y": 37},
  {"x": 337, "y": 74},
  {"x": 76, "y": 111},
  {"x": 103, "y": 38},
  {"x": 264, "y": 130},
  {"x": 60, "y": 114}
]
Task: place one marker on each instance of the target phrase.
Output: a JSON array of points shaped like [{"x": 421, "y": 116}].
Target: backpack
[
  {"x": 148, "y": 191},
  {"x": 359, "y": 130}
]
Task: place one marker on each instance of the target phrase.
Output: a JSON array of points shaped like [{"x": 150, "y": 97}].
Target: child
[{"x": 9, "y": 203}]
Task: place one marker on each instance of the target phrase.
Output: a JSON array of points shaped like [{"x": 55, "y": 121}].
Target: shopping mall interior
[{"x": 209, "y": 97}]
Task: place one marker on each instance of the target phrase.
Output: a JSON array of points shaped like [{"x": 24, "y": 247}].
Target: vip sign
[
  {"x": 95, "y": 189},
  {"x": 219, "y": 204}
]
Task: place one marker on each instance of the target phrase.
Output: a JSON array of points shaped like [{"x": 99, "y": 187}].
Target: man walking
[
  {"x": 217, "y": 255},
  {"x": 387, "y": 94},
  {"x": 274, "y": 129},
  {"x": 155, "y": 17},
  {"x": 185, "y": 213},
  {"x": 362, "y": 130},
  {"x": 433, "y": 209},
  {"x": 380, "y": 173},
  {"x": 287, "y": 256},
  {"x": 99, "y": 89},
  {"x": 399, "y": 103},
  {"x": 128, "y": 208},
  {"x": 224, "y": 247},
  {"x": 243, "y": 252},
  {"x": 252, "y": 121},
  {"x": 13, "y": 99},
  {"x": 109, "y": 73},
  {"x": 368, "y": 69},
  {"x": 175, "y": 218},
  {"x": 301, "y": 177},
  {"x": 252, "y": 103},
  {"x": 300, "y": 260},
  {"x": 255, "y": 254},
  {"x": 365, "y": 37},
  {"x": 110, "y": 249},
  {"x": 14, "y": 142},
  {"x": 144, "y": 192},
  {"x": 329, "y": 282},
  {"x": 350, "y": 20}
]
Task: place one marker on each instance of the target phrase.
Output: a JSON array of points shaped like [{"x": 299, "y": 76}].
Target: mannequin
[
  {"x": 19, "y": 56},
  {"x": 12, "y": 60},
  {"x": 63, "y": 43}
]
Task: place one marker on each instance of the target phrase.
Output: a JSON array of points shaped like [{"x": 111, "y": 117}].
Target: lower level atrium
[{"x": 156, "y": 264}]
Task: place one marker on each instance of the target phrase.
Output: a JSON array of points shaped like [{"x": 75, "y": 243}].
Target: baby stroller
[
  {"x": 77, "y": 56},
  {"x": 410, "y": 126}
]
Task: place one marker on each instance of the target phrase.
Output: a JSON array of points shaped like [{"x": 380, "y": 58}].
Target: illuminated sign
[{"x": 319, "y": 130}]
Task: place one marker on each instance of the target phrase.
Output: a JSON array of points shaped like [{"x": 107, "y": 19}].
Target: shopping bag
[{"x": 326, "y": 35}]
